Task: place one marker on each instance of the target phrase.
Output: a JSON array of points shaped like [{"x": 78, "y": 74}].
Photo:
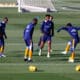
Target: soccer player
[
  {"x": 52, "y": 22},
  {"x": 73, "y": 32},
  {"x": 28, "y": 33},
  {"x": 3, "y": 34},
  {"x": 47, "y": 32}
]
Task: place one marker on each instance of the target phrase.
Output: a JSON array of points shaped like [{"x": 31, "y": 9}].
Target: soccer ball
[
  {"x": 32, "y": 68},
  {"x": 78, "y": 68}
]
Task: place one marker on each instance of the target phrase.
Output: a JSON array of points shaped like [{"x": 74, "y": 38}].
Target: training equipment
[
  {"x": 77, "y": 68},
  {"x": 35, "y": 6},
  {"x": 32, "y": 68}
]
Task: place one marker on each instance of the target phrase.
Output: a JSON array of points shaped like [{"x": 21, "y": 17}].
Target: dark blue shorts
[
  {"x": 45, "y": 38},
  {"x": 27, "y": 42},
  {"x": 1, "y": 42},
  {"x": 75, "y": 44}
]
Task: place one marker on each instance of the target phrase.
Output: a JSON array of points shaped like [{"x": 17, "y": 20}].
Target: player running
[
  {"x": 47, "y": 33},
  {"x": 28, "y": 33},
  {"x": 2, "y": 35},
  {"x": 73, "y": 32}
]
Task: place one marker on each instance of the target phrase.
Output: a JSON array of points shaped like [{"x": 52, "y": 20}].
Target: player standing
[
  {"x": 52, "y": 24},
  {"x": 28, "y": 33},
  {"x": 73, "y": 32},
  {"x": 3, "y": 34},
  {"x": 47, "y": 33}
]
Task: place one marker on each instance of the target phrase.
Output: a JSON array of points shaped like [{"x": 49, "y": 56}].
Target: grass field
[{"x": 56, "y": 68}]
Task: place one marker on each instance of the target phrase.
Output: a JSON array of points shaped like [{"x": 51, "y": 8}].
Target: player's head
[
  {"x": 35, "y": 21},
  {"x": 47, "y": 16},
  {"x": 5, "y": 19},
  {"x": 69, "y": 24},
  {"x": 51, "y": 18}
]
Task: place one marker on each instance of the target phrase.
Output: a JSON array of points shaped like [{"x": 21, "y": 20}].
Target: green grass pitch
[{"x": 56, "y": 68}]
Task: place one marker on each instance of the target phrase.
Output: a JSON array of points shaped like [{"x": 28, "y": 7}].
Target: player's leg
[
  {"x": 0, "y": 51},
  {"x": 2, "y": 48},
  {"x": 30, "y": 51},
  {"x": 72, "y": 56},
  {"x": 67, "y": 48},
  {"x": 41, "y": 46},
  {"x": 26, "y": 51},
  {"x": 49, "y": 46},
  {"x": 43, "y": 40},
  {"x": 39, "y": 42}
]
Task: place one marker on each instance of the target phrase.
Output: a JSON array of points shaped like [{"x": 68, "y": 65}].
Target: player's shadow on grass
[
  {"x": 40, "y": 70},
  {"x": 45, "y": 50},
  {"x": 59, "y": 55}
]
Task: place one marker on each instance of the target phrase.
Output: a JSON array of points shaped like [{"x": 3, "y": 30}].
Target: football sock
[
  {"x": 1, "y": 49},
  {"x": 72, "y": 55},
  {"x": 30, "y": 54},
  {"x": 26, "y": 53},
  {"x": 67, "y": 48}
]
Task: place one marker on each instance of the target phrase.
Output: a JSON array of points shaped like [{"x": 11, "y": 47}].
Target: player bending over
[
  {"x": 47, "y": 33},
  {"x": 28, "y": 33},
  {"x": 2, "y": 35},
  {"x": 71, "y": 45}
]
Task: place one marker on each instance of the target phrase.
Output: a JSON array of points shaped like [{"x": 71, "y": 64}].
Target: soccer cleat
[
  {"x": 30, "y": 60},
  {"x": 64, "y": 52},
  {"x": 25, "y": 59},
  {"x": 39, "y": 53},
  {"x": 3, "y": 55},
  {"x": 48, "y": 56},
  {"x": 71, "y": 60}
]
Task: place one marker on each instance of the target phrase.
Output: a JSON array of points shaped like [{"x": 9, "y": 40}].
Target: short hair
[
  {"x": 6, "y": 18},
  {"x": 47, "y": 15},
  {"x": 35, "y": 19},
  {"x": 69, "y": 24}
]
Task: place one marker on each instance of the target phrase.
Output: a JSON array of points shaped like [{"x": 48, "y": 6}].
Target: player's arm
[
  {"x": 42, "y": 27},
  {"x": 52, "y": 30},
  {"x": 4, "y": 33},
  {"x": 62, "y": 28},
  {"x": 78, "y": 28}
]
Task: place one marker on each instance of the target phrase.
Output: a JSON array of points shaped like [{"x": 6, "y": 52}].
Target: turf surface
[{"x": 57, "y": 68}]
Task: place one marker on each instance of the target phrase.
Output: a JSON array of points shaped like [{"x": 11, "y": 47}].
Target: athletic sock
[
  {"x": 26, "y": 53},
  {"x": 30, "y": 54},
  {"x": 1, "y": 49},
  {"x": 67, "y": 48},
  {"x": 72, "y": 55}
]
